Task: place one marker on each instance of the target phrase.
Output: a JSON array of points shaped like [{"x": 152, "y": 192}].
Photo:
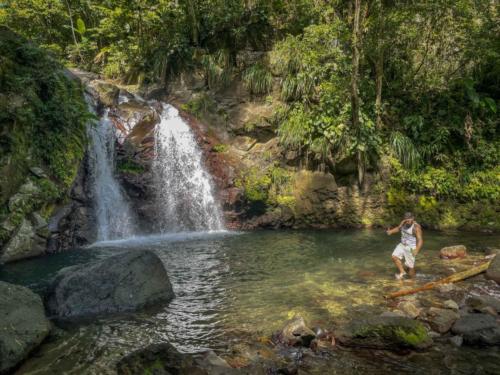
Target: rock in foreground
[
  {"x": 453, "y": 252},
  {"x": 124, "y": 282},
  {"x": 478, "y": 329},
  {"x": 164, "y": 359},
  {"x": 23, "y": 324},
  {"x": 388, "y": 332}
]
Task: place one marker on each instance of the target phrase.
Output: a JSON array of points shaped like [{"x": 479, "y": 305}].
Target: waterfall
[
  {"x": 114, "y": 217},
  {"x": 183, "y": 187}
]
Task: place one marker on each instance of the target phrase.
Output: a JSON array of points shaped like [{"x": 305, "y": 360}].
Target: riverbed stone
[
  {"x": 23, "y": 325},
  {"x": 391, "y": 333},
  {"x": 453, "y": 252},
  {"x": 124, "y": 282},
  {"x": 295, "y": 333},
  {"x": 441, "y": 320},
  {"x": 165, "y": 359},
  {"x": 478, "y": 329},
  {"x": 409, "y": 309},
  {"x": 479, "y": 303},
  {"x": 493, "y": 271},
  {"x": 450, "y": 304}
]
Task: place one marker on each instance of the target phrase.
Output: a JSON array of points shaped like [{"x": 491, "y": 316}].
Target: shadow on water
[{"x": 235, "y": 288}]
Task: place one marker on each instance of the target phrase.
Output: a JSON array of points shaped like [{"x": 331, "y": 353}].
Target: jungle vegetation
[{"x": 418, "y": 80}]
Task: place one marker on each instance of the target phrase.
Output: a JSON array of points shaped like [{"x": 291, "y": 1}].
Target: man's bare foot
[{"x": 400, "y": 276}]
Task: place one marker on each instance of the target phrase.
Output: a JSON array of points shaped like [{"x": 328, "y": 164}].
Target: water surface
[{"x": 232, "y": 288}]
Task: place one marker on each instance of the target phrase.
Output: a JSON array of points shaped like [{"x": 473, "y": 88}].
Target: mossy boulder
[{"x": 387, "y": 332}]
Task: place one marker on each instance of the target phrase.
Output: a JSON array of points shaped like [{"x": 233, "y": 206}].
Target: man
[{"x": 411, "y": 243}]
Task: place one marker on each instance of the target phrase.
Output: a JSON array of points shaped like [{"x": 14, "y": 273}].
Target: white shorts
[{"x": 402, "y": 251}]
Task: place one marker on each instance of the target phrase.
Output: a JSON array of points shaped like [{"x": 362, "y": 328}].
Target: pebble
[{"x": 450, "y": 304}]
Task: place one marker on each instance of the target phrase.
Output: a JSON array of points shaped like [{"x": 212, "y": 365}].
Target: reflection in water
[{"x": 235, "y": 288}]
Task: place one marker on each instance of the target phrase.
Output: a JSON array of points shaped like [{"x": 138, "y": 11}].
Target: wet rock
[
  {"x": 478, "y": 329},
  {"x": 25, "y": 243},
  {"x": 108, "y": 93},
  {"x": 124, "y": 282},
  {"x": 295, "y": 333},
  {"x": 391, "y": 333},
  {"x": 446, "y": 288},
  {"x": 23, "y": 324},
  {"x": 493, "y": 271},
  {"x": 441, "y": 320},
  {"x": 450, "y": 304},
  {"x": 164, "y": 359},
  {"x": 479, "y": 303},
  {"x": 453, "y": 252},
  {"x": 409, "y": 309},
  {"x": 392, "y": 314},
  {"x": 456, "y": 341}
]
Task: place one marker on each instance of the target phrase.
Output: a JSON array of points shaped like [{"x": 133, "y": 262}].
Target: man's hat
[{"x": 409, "y": 215}]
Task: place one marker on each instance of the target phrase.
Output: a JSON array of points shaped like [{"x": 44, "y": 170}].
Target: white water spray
[
  {"x": 114, "y": 217},
  {"x": 183, "y": 187}
]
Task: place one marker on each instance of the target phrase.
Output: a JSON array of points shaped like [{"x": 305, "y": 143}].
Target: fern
[{"x": 405, "y": 150}]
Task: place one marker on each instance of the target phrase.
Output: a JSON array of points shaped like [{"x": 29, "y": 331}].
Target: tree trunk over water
[{"x": 447, "y": 280}]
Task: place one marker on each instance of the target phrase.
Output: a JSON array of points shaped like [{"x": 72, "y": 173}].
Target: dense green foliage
[
  {"x": 424, "y": 88},
  {"x": 42, "y": 116}
]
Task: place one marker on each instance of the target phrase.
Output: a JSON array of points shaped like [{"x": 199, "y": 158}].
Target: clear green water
[{"x": 232, "y": 289}]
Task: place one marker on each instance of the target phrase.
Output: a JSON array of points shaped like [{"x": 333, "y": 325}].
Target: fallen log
[{"x": 447, "y": 280}]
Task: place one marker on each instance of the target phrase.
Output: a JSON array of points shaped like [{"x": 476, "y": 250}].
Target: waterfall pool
[{"x": 234, "y": 288}]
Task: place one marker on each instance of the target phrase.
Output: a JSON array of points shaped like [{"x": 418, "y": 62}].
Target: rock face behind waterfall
[
  {"x": 121, "y": 283},
  {"x": 23, "y": 324}
]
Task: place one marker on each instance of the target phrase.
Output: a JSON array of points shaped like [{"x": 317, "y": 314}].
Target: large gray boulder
[
  {"x": 124, "y": 282},
  {"x": 478, "y": 329},
  {"x": 493, "y": 271},
  {"x": 23, "y": 324}
]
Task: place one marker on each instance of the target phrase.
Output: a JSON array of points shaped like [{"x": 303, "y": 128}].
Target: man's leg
[
  {"x": 398, "y": 264},
  {"x": 410, "y": 261},
  {"x": 397, "y": 256},
  {"x": 411, "y": 272}
]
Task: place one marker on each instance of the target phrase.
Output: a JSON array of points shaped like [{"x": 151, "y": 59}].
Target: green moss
[
  {"x": 221, "y": 148},
  {"x": 200, "y": 105},
  {"x": 395, "y": 332},
  {"x": 154, "y": 368},
  {"x": 129, "y": 166}
]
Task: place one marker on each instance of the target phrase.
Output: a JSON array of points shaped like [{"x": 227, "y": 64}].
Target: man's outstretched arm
[{"x": 390, "y": 231}]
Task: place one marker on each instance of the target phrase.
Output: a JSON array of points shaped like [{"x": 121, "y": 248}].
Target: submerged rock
[
  {"x": 392, "y": 333},
  {"x": 493, "y": 271},
  {"x": 124, "y": 282},
  {"x": 478, "y": 329},
  {"x": 295, "y": 333},
  {"x": 164, "y": 359},
  {"x": 23, "y": 325},
  {"x": 453, "y": 252}
]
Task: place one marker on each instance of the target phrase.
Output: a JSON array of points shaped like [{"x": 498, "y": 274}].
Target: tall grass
[{"x": 258, "y": 80}]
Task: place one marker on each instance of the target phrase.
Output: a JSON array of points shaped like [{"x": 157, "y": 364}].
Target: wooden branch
[{"x": 447, "y": 280}]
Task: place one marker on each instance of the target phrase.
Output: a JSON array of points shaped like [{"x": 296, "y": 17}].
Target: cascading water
[
  {"x": 183, "y": 187},
  {"x": 114, "y": 217}
]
